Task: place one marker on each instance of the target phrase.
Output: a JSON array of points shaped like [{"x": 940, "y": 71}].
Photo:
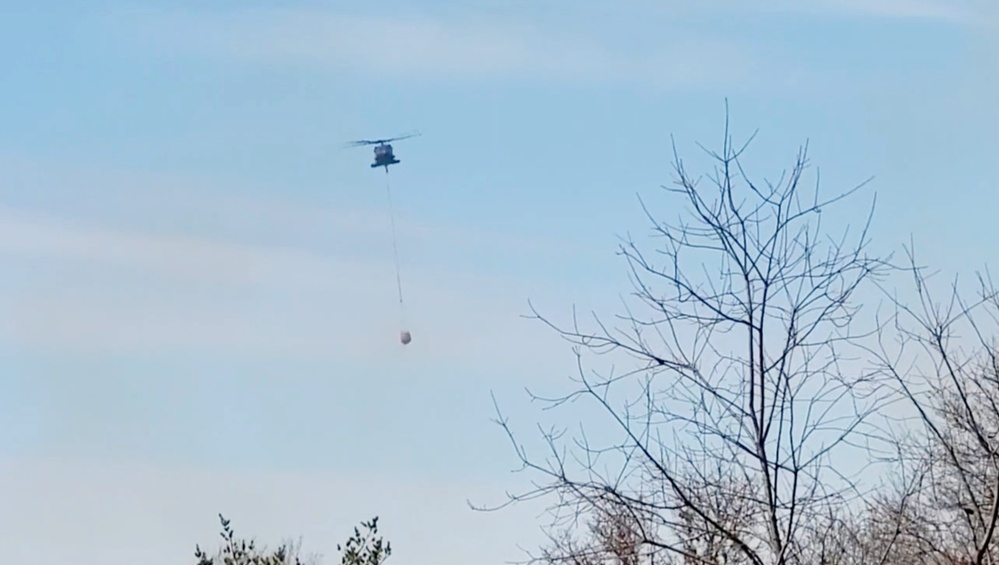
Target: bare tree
[
  {"x": 611, "y": 537},
  {"x": 944, "y": 360},
  {"x": 734, "y": 428}
]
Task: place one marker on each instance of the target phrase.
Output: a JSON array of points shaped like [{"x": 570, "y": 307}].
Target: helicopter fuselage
[{"x": 384, "y": 156}]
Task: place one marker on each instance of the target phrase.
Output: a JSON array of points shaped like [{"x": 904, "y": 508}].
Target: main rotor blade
[
  {"x": 361, "y": 142},
  {"x": 401, "y": 137}
]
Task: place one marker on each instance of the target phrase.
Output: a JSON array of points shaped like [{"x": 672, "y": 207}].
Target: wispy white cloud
[
  {"x": 111, "y": 261},
  {"x": 675, "y": 47},
  {"x": 89, "y": 512},
  {"x": 908, "y": 9},
  {"x": 453, "y": 48},
  {"x": 968, "y": 12},
  {"x": 231, "y": 209},
  {"x": 93, "y": 289}
]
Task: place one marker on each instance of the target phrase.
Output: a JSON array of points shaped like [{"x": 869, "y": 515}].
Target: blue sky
[{"x": 199, "y": 310}]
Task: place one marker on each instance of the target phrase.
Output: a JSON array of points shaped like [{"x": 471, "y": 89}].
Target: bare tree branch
[{"x": 743, "y": 406}]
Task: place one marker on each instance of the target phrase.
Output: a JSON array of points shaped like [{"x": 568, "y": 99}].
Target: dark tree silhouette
[
  {"x": 362, "y": 548},
  {"x": 739, "y": 420},
  {"x": 942, "y": 355}
]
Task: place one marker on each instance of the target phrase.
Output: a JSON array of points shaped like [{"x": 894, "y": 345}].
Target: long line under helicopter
[
  {"x": 385, "y": 157},
  {"x": 395, "y": 253}
]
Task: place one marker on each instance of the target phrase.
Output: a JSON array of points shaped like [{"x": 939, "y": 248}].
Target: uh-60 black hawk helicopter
[
  {"x": 383, "y": 150},
  {"x": 384, "y": 157}
]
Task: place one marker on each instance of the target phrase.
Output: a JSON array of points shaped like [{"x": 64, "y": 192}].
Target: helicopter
[
  {"x": 384, "y": 157},
  {"x": 383, "y": 150}
]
